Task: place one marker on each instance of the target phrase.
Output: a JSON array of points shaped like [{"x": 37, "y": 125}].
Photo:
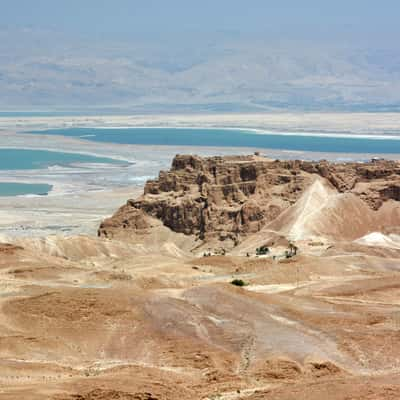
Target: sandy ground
[
  {"x": 66, "y": 214},
  {"x": 85, "y": 318}
]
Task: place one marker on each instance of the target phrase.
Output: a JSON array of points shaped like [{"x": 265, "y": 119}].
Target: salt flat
[{"x": 346, "y": 123}]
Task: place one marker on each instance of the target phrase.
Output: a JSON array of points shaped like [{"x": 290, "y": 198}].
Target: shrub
[
  {"x": 262, "y": 251},
  {"x": 238, "y": 282}
]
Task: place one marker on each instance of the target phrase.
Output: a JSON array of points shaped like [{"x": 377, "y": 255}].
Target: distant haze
[{"x": 184, "y": 56}]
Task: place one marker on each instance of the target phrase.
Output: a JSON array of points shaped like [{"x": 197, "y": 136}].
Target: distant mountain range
[{"x": 222, "y": 72}]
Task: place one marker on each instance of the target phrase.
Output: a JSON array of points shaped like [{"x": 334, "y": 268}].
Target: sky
[{"x": 342, "y": 19}]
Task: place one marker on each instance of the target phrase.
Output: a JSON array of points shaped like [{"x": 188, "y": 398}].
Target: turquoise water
[
  {"x": 20, "y": 159},
  {"x": 230, "y": 138},
  {"x": 20, "y": 189}
]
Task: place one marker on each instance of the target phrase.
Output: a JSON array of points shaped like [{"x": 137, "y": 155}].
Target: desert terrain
[{"x": 234, "y": 277}]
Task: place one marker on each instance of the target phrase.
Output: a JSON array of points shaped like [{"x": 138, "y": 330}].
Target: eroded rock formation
[{"x": 228, "y": 198}]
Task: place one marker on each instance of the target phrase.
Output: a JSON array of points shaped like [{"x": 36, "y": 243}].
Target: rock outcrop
[{"x": 225, "y": 199}]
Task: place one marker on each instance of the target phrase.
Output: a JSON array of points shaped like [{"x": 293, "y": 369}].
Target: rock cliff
[{"x": 225, "y": 199}]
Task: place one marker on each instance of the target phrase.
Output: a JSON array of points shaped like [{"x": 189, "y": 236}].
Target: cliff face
[
  {"x": 220, "y": 198},
  {"x": 227, "y": 198}
]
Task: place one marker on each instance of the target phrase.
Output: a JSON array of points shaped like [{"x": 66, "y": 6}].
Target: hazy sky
[
  {"x": 365, "y": 19},
  {"x": 200, "y": 54}
]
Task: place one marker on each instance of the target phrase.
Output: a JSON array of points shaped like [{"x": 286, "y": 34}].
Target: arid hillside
[{"x": 229, "y": 278}]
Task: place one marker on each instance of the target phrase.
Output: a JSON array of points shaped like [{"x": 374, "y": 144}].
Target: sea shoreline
[{"x": 110, "y": 187}]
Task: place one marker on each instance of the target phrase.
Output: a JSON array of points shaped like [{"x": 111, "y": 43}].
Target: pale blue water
[
  {"x": 20, "y": 189},
  {"x": 20, "y": 159},
  {"x": 19, "y": 114},
  {"x": 26, "y": 114},
  {"x": 230, "y": 138}
]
